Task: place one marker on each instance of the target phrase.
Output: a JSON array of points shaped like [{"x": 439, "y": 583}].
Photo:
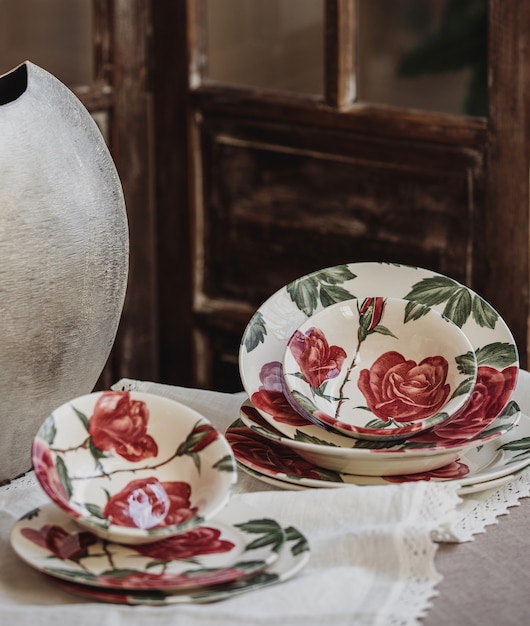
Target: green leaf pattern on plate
[
  {"x": 257, "y": 332},
  {"x": 271, "y": 533},
  {"x": 268, "y": 533},
  {"x": 460, "y": 304},
  {"x": 321, "y": 287}
]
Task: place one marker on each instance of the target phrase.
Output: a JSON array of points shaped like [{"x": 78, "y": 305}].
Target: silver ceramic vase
[{"x": 64, "y": 249}]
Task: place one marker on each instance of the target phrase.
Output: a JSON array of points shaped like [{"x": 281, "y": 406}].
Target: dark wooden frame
[
  {"x": 504, "y": 277},
  {"x": 338, "y": 110},
  {"x": 171, "y": 325},
  {"x": 121, "y": 88}
]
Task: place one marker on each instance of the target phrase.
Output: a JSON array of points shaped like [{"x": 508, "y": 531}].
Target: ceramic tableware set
[
  {"x": 140, "y": 509},
  {"x": 373, "y": 373}
]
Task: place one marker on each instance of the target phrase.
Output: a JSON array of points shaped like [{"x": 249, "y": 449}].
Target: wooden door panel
[
  {"x": 282, "y": 185},
  {"x": 280, "y": 202}
]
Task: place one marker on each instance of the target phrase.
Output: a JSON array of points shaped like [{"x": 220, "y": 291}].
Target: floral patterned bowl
[
  {"x": 426, "y": 452},
  {"x": 379, "y": 368},
  {"x": 133, "y": 467},
  {"x": 265, "y": 338}
]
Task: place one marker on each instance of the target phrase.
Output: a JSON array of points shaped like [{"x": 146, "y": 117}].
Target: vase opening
[{"x": 13, "y": 84}]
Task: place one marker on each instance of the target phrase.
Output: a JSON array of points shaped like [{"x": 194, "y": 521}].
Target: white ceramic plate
[
  {"x": 293, "y": 556},
  {"x": 234, "y": 545},
  {"x": 266, "y": 336},
  {"x": 373, "y": 459},
  {"x": 292, "y": 486},
  {"x": 379, "y": 368},
  {"x": 493, "y": 460}
]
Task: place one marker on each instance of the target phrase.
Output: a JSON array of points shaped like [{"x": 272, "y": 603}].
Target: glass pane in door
[
  {"x": 54, "y": 34},
  {"x": 268, "y": 44},
  {"x": 424, "y": 54}
]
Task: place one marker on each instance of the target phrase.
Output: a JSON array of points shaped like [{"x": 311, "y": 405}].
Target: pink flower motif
[
  {"x": 148, "y": 503},
  {"x": 46, "y": 470},
  {"x": 451, "y": 471},
  {"x": 402, "y": 390},
  {"x": 151, "y": 580},
  {"x": 138, "y": 579},
  {"x": 318, "y": 360},
  {"x": 64, "y": 545},
  {"x": 490, "y": 395},
  {"x": 265, "y": 454},
  {"x": 119, "y": 424},
  {"x": 271, "y": 399},
  {"x": 187, "y": 545}
]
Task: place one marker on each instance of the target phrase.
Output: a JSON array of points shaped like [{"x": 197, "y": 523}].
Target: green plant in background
[{"x": 459, "y": 42}]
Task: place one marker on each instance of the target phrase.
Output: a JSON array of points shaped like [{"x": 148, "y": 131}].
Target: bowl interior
[
  {"x": 379, "y": 367},
  {"x": 133, "y": 467}
]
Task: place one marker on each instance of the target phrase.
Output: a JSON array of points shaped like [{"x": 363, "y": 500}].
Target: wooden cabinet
[
  {"x": 279, "y": 185},
  {"x": 233, "y": 190}
]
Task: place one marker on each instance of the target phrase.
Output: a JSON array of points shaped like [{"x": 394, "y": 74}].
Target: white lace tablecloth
[{"x": 372, "y": 548}]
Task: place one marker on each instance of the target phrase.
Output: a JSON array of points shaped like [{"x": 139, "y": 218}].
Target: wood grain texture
[
  {"x": 135, "y": 351},
  {"x": 502, "y": 264}
]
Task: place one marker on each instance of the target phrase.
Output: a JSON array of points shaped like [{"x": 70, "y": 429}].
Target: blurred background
[{"x": 258, "y": 141}]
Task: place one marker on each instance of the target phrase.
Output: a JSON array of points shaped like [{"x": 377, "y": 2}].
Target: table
[
  {"x": 484, "y": 582},
  {"x": 487, "y": 581}
]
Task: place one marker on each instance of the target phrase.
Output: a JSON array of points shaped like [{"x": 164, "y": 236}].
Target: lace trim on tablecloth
[
  {"x": 417, "y": 552},
  {"x": 482, "y": 509},
  {"x": 419, "y": 588}
]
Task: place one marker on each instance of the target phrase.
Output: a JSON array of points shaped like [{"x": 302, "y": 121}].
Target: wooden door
[{"x": 280, "y": 184}]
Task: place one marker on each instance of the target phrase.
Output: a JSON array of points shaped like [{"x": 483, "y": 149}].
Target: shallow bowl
[
  {"x": 265, "y": 338},
  {"x": 375, "y": 458},
  {"x": 379, "y": 368},
  {"x": 133, "y": 467}
]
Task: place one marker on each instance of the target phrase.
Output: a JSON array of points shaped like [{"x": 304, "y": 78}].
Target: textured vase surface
[{"x": 63, "y": 255}]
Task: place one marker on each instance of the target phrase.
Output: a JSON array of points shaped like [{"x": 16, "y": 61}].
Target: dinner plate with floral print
[
  {"x": 293, "y": 556},
  {"x": 292, "y": 486},
  {"x": 265, "y": 338},
  {"x": 236, "y": 544},
  {"x": 337, "y": 362},
  {"x": 372, "y": 457},
  {"x": 495, "y": 459}
]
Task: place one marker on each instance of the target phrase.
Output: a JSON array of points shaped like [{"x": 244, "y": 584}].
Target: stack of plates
[
  {"x": 236, "y": 552},
  {"x": 276, "y": 440},
  {"x": 140, "y": 509}
]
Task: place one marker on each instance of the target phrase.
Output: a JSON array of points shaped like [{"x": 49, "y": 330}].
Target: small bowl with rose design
[
  {"x": 379, "y": 368},
  {"x": 133, "y": 467}
]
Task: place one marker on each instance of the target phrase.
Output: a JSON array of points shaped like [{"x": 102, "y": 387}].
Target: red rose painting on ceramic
[
  {"x": 260, "y": 454},
  {"x": 490, "y": 395},
  {"x": 451, "y": 471},
  {"x": 271, "y": 399},
  {"x": 148, "y": 503},
  {"x": 318, "y": 360},
  {"x": 119, "y": 424},
  {"x": 187, "y": 545},
  {"x": 403, "y": 390},
  {"x": 46, "y": 470},
  {"x": 61, "y": 543}
]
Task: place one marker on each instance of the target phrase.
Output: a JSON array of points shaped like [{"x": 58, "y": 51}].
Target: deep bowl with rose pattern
[
  {"x": 133, "y": 467},
  {"x": 379, "y": 368}
]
